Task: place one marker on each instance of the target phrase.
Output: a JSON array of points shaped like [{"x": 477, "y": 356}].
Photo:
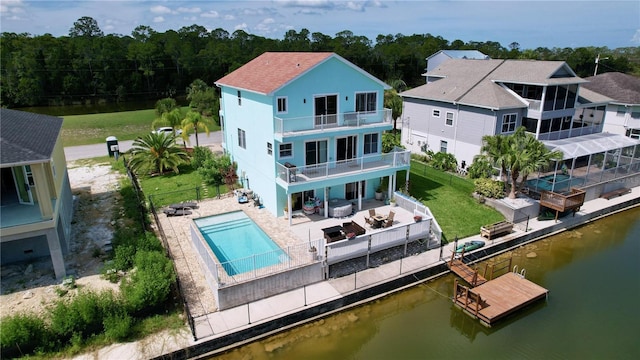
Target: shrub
[
  {"x": 480, "y": 168},
  {"x": 444, "y": 161},
  {"x": 489, "y": 188},
  {"x": 199, "y": 156},
  {"x": 118, "y": 326},
  {"x": 83, "y": 315},
  {"x": 150, "y": 284},
  {"x": 21, "y": 334}
]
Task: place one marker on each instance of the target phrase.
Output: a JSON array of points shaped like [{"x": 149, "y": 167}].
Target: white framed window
[
  {"x": 366, "y": 102},
  {"x": 239, "y": 98},
  {"x": 621, "y": 110},
  {"x": 635, "y": 114},
  {"x": 449, "y": 119},
  {"x": 282, "y": 104},
  {"x": 371, "y": 143},
  {"x": 509, "y": 122},
  {"x": 443, "y": 146},
  {"x": 242, "y": 140},
  {"x": 286, "y": 150},
  {"x": 435, "y": 113},
  {"x": 269, "y": 148}
]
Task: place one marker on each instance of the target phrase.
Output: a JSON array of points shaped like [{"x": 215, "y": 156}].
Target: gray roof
[
  {"x": 590, "y": 144},
  {"x": 461, "y": 54},
  {"x": 27, "y": 138},
  {"x": 476, "y": 82},
  {"x": 622, "y": 88},
  {"x": 587, "y": 97}
]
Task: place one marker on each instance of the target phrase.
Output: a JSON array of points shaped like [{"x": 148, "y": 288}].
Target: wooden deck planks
[
  {"x": 507, "y": 294},
  {"x": 466, "y": 272}
]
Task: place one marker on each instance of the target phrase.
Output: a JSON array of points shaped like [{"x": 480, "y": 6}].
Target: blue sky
[{"x": 532, "y": 23}]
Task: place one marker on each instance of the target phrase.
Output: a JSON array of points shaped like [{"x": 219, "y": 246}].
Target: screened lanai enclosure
[{"x": 610, "y": 160}]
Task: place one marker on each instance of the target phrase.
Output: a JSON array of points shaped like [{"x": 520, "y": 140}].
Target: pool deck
[{"x": 219, "y": 330}]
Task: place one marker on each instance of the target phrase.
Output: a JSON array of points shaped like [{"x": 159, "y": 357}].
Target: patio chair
[
  {"x": 370, "y": 220},
  {"x": 389, "y": 220}
]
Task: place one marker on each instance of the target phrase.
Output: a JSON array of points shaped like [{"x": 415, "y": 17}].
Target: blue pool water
[{"x": 239, "y": 243}]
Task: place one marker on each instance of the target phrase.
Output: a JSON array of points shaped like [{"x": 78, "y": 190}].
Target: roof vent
[{"x": 297, "y": 65}]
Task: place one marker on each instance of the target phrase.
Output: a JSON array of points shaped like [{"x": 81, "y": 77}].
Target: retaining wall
[{"x": 367, "y": 294}]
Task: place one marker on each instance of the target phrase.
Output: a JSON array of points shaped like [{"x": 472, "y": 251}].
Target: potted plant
[
  {"x": 417, "y": 218},
  {"x": 379, "y": 191},
  {"x": 392, "y": 202},
  {"x": 313, "y": 253}
]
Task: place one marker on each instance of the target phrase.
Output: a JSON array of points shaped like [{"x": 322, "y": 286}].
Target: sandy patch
[{"x": 30, "y": 287}]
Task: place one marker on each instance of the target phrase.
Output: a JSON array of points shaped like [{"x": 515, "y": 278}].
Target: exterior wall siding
[{"x": 257, "y": 116}]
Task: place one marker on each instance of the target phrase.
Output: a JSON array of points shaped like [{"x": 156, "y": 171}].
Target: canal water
[{"x": 592, "y": 312}]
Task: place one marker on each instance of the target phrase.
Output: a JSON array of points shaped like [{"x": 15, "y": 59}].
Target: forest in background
[{"x": 88, "y": 66}]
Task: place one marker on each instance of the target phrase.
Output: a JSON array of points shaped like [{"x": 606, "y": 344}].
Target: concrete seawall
[{"x": 209, "y": 347}]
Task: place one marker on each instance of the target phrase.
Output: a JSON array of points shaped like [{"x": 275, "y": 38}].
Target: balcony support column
[{"x": 326, "y": 202}]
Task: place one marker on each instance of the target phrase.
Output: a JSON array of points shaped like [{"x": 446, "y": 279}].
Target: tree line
[{"x": 88, "y": 66}]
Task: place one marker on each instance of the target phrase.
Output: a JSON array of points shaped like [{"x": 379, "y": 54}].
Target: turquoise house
[{"x": 305, "y": 129}]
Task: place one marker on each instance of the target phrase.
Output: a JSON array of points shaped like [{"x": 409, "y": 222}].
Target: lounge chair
[{"x": 389, "y": 220}]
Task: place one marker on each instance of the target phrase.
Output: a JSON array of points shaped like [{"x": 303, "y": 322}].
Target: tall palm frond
[
  {"x": 154, "y": 153},
  {"x": 195, "y": 121}
]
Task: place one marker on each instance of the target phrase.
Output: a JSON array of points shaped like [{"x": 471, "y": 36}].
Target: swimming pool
[
  {"x": 562, "y": 182},
  {"x": 239, "y": 243}
]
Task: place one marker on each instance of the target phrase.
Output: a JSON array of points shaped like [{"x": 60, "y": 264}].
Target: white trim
[
  {"x": 286, "y": 104},
  {"x": 446, "y": 118}
]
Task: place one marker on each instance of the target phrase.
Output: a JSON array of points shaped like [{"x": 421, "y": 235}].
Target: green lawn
[
  {"x": 449, "y": 199},
  {"x": 175, "y": 188},
  {"x": 95, "y": 128}
]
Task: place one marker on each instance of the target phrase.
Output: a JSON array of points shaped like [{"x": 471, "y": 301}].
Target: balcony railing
[
  {"x": 291, "y": 173},
  {"x": 324, "y": 122}
]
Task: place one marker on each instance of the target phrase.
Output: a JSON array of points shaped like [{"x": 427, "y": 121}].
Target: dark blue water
[{"x": 592, "y": 273}]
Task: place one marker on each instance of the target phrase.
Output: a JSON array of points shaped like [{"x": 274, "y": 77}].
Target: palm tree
[
  {"x": 393, "y": 101},
  {"x": 518, "y": 154},
  {"x": 194, "y": 121},
  {"x": 165, "y": 105},
  {"x": 154, "y": 153},
  {"x": 494, "y": 148},
  {"x": 171, "y": 118}
]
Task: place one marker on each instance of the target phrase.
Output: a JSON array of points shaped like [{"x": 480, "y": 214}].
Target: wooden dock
[
  {"x": 467, "y": 273},
  {"x": 497, "y": 298}
]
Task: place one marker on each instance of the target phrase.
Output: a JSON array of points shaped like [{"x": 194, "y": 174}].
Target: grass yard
[
  {"x": 175, "y": 188},
  {"x": 95, "y": 128},
  {"x": 449, "y": 198}
]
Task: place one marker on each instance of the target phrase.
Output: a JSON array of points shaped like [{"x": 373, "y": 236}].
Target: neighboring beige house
[
  {"x": 37, "y": 205},
  {"x": 623, "y": 109}
]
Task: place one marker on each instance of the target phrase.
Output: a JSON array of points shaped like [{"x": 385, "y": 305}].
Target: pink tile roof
[{"x": 271, "y": 70}]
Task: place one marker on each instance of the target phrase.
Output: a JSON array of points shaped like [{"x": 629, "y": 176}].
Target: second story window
[
  {"x": 282, "y": 105},
  {"x": 242, "y": 140},
  {"x": 509, "y": 122},
  {"x": 269, "y": 148},
  {"x": 371, "y": 143},
  {"x": 435, "y": 113},
  {"x": 286, "y": 150},
  {"x": 239, "y": 98},
  {"x": 366, "y": 102},
  {"x": 449, "y": 120}
]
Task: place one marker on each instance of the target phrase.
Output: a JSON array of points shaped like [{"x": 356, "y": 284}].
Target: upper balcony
[
  {"x": 323, "y": 123},
  {"x": 290, "y": 173}
]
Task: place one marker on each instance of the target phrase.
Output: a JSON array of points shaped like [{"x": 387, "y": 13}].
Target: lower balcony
[{"x": 292, "y": 173}]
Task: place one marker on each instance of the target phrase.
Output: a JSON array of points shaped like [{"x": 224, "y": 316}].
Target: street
[{"x": 96, "y": 150}]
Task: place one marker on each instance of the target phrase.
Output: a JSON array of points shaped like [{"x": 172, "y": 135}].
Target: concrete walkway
[{"x": 227, "y": 327}]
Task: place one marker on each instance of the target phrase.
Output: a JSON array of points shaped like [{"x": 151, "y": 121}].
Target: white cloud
[
  {"x": 242, "y": 26},
  {"x": 159, "y": 9},
  {"x": 355, "y": 5},
  {"x": 193, "y": 10},
  {"x": 158, "y": 19},
  {"x": 210, "y": 14},
  {"x": 325, "y": 4},
  {"x": 229, "y": 17}
]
